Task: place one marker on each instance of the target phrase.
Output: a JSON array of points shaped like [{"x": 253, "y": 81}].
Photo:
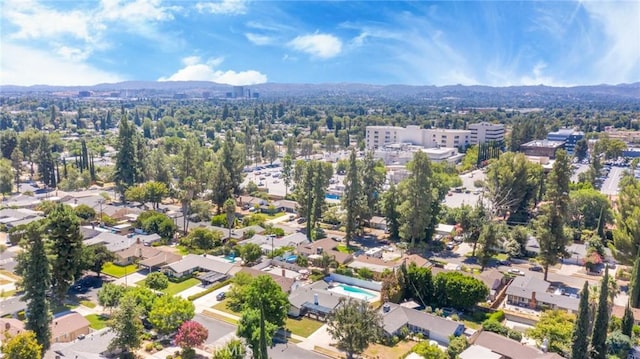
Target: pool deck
[{"x": 372, "y": 296}]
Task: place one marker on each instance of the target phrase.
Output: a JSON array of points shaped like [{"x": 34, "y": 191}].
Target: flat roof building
[
  {"x": 379, "y": 136},
  {"x": 541, "y": 148},
  {"x": 567, "y": 135},
  {"x": 486, "y": 132}
]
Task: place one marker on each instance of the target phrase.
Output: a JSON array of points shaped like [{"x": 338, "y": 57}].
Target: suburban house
[
  {"x": 69, "y": 327},
  {"x": 10, "y": 307},
  {"x": 10, "y": 326},
  {"x": 378, "y": 222},
  {"x": 315, "y": 250},
  {"x": 198, "y": 263},
  {"x": 494, "y": 280},
  {"x": 268, "y": 243},
  {"x": 148, "y": 257},
  {"x": 285, "y": 205},
  {"x": 284, "y": 282},
  {"x": 618, "y": 312},
  {"x": 93, "y": 346},
  {"x": 246, "y": 202},
  {"x": 538, "y": 294},
  {"x": 313, "y": 300},
  {"x": 487, "y": 345},
  {"x": 375, "y": 264},
  {"x": 395, "y": 317},
  {"x": 15, "y": 217}
]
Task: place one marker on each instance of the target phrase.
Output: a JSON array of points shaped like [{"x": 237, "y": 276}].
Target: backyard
[{"x": 383, "y": 351}]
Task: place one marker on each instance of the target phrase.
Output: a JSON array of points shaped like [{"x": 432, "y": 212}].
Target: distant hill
[{"x": 521, "y": 96}]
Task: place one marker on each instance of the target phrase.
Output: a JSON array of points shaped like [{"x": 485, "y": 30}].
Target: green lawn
[
  {"x": 303, "y": 326},
  {"x": 88, "y": 303},
  {"x": 175, "y": 288},
  {"x": 222, "y": 306},
  {"x": 274, "y": 216},
  {"x": 96, "y": 321},
  {"x": 117, "y": 271},
  {"x": 182, "y": 250},
  {"x": 343, "y": 249}
]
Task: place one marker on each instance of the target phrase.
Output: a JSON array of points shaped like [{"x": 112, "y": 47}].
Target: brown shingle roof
[
  {"x": 67, "y": 324},
  {"x": 284, "y": 282}
]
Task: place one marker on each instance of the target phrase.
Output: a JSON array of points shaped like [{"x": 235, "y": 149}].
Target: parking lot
[{"x": 469, "y": 195}]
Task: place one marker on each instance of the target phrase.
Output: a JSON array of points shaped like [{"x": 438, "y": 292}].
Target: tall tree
[
  {"x": 354, "y": 325},
  {"x": 222, "y": 188},
  {"x": 6, "y": 177},
  {"x": 95, "y": 256},
  {"x": 601, "y": 322},
  {"x": 489, "y": 241},
  {"x": 550, "y": 225},
  {"x": 287, "y": 172},
  {"x": 16, "y": 162},
  {"x": 232, "y": 160},
  {"x": 634, "y": 288},
  {"x": 626, "y": 235},
  {"x": 230, "y": 210},
  {"x": 418, "y": 195},
  {"x": 580, "y": 338},
  {"x": 390, "y": 204},
  {"x": 127, "y": 326},
  {"x": 628, "y": 321},
  {"x": 33, "y": 266},
  {"x": 125, "y": 166},
  {"x": 373, "y": 178},
  {"x": 190, "y": 335},
  {"x": 352, "y": 198},
  {"x": 63, "y": 227}
]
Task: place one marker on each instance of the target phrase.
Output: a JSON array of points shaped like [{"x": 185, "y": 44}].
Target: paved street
[
  {"x": 610, "y": 185},
  {"x": 217, "y": 329}
]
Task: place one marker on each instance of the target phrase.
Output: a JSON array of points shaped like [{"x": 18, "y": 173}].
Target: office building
[
  {"x": 486, "y": 132},
  {"x": 542, "y": 148},
  {"x": 379, "y": 136},
  {"x": 567, "y": 135}
]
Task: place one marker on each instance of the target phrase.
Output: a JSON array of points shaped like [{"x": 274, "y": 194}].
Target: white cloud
[
  {"x": 21, "y": 65},
  {"x": 224, "y": 7},
  {"x": 259, "y": 39},
  {"x": 538, "y": 77},
  {"x": 323, "y": 46},
  {"x": 195, "y": 70},
  {"x": 620, "y": 61}
]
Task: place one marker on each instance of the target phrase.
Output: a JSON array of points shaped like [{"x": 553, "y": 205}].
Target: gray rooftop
[
  {"x": 91, "y": 347},
  {"x": 191, "y": 261},
  {"x": 399, "y": 316}
]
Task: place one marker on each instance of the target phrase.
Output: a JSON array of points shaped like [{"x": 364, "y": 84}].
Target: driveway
[
  {"x": 131, "y": 279},
  {"x": 217, "y": 329}
]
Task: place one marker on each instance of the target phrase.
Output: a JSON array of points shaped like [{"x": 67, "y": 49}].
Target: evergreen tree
[
  {"x": 550, "y": 225},
  {"x": 352, "y": 198},
  {"x": 634, "y": 290},
  {"x": 373, "y": 178},
  {"x": 627, "y": 321},
  {"x": 601, "y": 322},
  {"x": 390, "y": 203},
  {"x": 125, "y": 171},
  {"x": 232, "y": 160},
  {"x": 63, "y": 227},
  {"x": 33, "y": 266},
  {"x": 287, "y": 168},
  {"x": 580, "y": 339},
  {"x": 16, "y": 162},
  {"x": 416, "y": 214}
]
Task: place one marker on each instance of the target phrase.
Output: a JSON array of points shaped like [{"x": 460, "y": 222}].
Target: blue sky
[{"x": 501, "y": 43}]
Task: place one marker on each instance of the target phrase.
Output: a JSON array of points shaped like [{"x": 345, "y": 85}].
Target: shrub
[
  {"x": 498, "y": 316},
  {"x": 148, "y": 347}
]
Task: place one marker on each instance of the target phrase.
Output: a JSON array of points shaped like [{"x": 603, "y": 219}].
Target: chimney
[
  {"x": 283, "y": 272},
  {"x": 386, "y": 308},
  {"x": 7, "y": 326},
  {"x": 533, "y": 304},
  {"x": 315, "y": 298}
]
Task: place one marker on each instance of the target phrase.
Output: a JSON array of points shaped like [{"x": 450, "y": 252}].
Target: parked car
[
  {"x": 536, "y": 268},
  {"x": 504, "y": 263},
  {"x": 515, "y": 271},
  {"x": 220, "y": 296}
]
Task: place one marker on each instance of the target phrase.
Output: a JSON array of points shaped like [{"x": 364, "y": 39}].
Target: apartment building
[
  {"x": 486, "y": 132},
  {"x": 379, "y": 136}
]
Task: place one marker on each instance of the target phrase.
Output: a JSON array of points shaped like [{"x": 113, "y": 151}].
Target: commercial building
[
  {"x": 567, "y": 135},
  {"x": 486, "y": 132},
  {"x": 379, "y": 136},
  {"x": 401, "y": 154},
  {"x": 542, "y": 148}
]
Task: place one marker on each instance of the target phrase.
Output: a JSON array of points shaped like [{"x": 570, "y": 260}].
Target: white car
[{"x": 515, "y": 271}]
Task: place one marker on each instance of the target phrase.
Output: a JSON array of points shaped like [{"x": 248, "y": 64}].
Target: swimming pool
[
  {"x": 354, "y": 292},
  {"x": 229, "y": 259}
]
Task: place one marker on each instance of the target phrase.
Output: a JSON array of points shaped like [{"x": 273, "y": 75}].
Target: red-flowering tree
[{"x": 190, "y": 335}]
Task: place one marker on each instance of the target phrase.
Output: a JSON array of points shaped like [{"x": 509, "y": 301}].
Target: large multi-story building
[
  {"x": 567, "y": 135},
  {"x": 379, "y": 136},
  {"x": 486, "y": 132}
]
